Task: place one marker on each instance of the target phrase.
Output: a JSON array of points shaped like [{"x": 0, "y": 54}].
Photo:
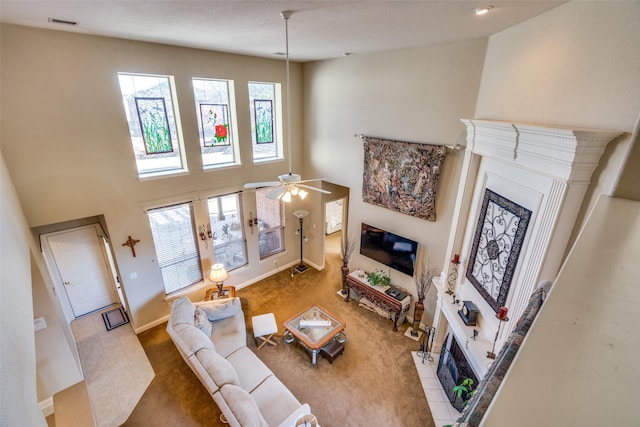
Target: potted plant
[
  {"x": 464, "y": 391},
  {"x": 378, "y": 278},
  {"x": 423, "y": 278},
  {"x": 347, "y": 245}
]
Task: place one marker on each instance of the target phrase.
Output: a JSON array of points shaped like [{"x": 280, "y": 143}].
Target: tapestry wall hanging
[
  {"x": 502, "y": 225},
  {"x": 402, "y": 176}
]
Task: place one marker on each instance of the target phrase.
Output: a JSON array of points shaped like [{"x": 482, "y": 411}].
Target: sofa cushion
[
  {"x": 202, "y": 374},
  {"x": 275, "y": 401},
  {"x": 243, "y": 406},
  {"x": 220, "y": 370},
  {"x": 193, "y": 338},
  {"x": 229, "y": 334},
  {"x": 250, "y": 369},
  {"x": 201, "y": 321},
  {"x": 182, "y": 311}
]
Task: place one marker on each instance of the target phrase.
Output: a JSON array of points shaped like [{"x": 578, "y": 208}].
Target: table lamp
[{"x": 218, "y": 276}]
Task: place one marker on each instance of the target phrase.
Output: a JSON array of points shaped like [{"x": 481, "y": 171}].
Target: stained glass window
[
  {"x": 266, "y": 122},
  {"x": 215, "y": 108},
  {"x": 150, "y": 108}
]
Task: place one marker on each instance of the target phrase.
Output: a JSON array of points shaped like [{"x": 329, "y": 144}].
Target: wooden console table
[{"x": 377, "y": 295}]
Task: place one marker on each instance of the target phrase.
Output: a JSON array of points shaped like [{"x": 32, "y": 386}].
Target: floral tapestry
[{"x": 402, "y": 176}]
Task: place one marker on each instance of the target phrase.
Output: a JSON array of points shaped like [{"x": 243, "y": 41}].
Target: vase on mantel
[{"x": 418, "y": 310}]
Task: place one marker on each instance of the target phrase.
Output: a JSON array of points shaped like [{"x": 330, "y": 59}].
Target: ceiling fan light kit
[{"x": 288, "y": 184}]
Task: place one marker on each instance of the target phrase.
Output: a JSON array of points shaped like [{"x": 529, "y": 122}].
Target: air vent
[{"x": 62, "y": 22}]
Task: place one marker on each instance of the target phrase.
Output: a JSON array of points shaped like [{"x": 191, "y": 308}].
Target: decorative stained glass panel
[
  {"x": 215, "y": 124},
  {"x": 152, "y": 114},
  {"x": 263, "y": 110}
]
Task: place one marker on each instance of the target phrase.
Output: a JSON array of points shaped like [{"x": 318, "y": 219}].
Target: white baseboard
[
  {"x": 265, "y": 275},
  {"x": 238, "y": 286},
  {"x": 46, "y": 406},
  {"x": 151, "y": 324}
]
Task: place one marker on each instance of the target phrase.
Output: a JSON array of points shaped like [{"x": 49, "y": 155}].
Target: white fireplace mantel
[
  {"x": 568, "y": 154},
  {"x": 544, "y": 169}
]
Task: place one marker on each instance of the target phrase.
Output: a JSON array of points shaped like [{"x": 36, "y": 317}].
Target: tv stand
[{"x": 376, "y": 295}]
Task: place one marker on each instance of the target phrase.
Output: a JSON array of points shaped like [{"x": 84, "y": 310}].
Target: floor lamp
[{"x": 301, "y": 267}]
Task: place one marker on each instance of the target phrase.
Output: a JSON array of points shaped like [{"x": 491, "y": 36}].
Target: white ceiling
[{"x": 318, "y": 29}]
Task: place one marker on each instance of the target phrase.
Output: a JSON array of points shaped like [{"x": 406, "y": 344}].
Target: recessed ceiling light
[
  {"x": 63, "y": 21},
  {"x": 482, "y": 10}
]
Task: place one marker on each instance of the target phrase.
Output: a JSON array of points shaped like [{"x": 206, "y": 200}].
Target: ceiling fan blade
[
  {"x": 262, "y": 184},
  {"x": 310, "y": 180},
  {"x": 314, "y": 188},
  {"x": 276, "y": 193}
]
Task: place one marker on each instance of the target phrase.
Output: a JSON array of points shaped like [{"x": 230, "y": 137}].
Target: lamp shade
[
  {"x": 218, "y": 273},
  {"x": 301, "y": 213}
]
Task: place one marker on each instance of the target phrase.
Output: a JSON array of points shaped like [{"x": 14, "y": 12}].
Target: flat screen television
[{"x": 387, "y": 248}]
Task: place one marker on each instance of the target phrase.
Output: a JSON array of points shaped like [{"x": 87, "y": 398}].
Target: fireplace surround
[
  {"x": 453, "y": 368},
  {"x": 545, "y": 170}
]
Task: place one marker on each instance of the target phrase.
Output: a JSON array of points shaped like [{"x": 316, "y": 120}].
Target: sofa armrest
[{"x": 290, "y": 421}]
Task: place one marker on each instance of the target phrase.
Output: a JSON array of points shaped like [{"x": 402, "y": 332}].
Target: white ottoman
[{"x": 264, "y": 327}]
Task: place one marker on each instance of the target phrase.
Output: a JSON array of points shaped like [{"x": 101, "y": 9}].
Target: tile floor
[
  {"x": 115, "y": 367},
  {"x": 441, "y": 410}
]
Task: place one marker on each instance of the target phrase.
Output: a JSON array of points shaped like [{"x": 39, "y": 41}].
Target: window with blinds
[{"x": 176, "y": 246}]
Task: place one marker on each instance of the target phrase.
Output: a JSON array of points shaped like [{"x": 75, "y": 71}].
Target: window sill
[
  {"x": 268, "y": 160},
  {"x": 221, "y": 166},
  {"x": 164, "y": 174}
]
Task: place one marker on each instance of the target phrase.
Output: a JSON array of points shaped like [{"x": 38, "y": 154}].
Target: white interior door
[{"x": 83, "y": 269}]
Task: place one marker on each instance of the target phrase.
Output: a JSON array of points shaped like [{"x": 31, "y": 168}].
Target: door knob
[{"x": 65, "y": 282}]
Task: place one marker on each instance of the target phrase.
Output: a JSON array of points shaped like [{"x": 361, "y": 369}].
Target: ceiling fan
[{"x": 288, "y": 184}]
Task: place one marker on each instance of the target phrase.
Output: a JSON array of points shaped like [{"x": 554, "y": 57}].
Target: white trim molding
[{"x": 545, "y": 169}]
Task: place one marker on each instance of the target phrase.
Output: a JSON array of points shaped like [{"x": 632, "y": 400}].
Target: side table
[{"x": 212, "y": 293}]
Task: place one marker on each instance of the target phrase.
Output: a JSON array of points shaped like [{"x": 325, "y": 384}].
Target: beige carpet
[{"x": 374, "y": 383}]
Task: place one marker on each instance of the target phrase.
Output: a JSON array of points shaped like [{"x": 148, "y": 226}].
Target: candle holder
[
  {"x": 453, "y": 274},
  {"x": 491, "y": 354}
]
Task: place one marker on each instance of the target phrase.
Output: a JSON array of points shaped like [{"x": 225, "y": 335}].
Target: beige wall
[
  {"x": 56, "y": 362},
  {"x": 415, "y": 95},
  {"x": 66, "y": 143},
  {"x": 577, "y": 65},
  {"x": 19, "y": 404}
]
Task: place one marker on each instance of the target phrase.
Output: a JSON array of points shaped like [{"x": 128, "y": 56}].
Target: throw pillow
[
  {"x": 222, "y": 310},
  {"x": 201, "y": 321},
  {"x": 244, "y": 408},
  {"x": 182, "y": 311},
  {"x": 218, "y": 368}
]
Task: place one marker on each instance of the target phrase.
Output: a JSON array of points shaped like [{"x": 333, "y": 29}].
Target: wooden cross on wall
[{"x": 131, "y": 243}]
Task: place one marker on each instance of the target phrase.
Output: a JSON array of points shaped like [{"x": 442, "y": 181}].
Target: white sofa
[{"x": 211, "y": 337}]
